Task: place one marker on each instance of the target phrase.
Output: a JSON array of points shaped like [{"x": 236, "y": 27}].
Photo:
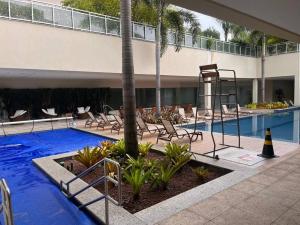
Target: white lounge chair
[
  {"x": 82, "y": 112},
  {"x": 244, "y": 111},
  {"x": 291, "y": 103},
  {"x": 227, "y": 112},
  {"x": 182, "y": 114},
  {"x": 19, "y": 115},
  {"x": 207, "y": 115},
  {"x": 50, "y": 112}
]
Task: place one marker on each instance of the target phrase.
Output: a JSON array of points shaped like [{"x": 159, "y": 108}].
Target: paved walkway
[{"x": 270, "y": 197}]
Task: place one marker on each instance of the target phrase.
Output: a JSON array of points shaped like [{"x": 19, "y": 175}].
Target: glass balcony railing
[{"x": 66, "y": 17}]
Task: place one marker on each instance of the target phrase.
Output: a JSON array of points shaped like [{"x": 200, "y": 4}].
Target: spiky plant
[{"x": 89, "y": 156}]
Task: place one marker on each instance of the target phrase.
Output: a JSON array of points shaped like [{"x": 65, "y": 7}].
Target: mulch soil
[{"x": 183, "y": 180}]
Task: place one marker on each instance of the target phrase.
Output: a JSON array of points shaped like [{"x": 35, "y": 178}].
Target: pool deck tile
[{"x": 266, "y": 193}]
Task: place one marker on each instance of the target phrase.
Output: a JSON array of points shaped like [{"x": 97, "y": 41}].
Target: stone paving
[{"x": 270, "y": 197}]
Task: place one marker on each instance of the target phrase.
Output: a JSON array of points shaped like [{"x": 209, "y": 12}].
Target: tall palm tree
[
  {"x": 259, "y": 38},
  {"x": 177, "y": 21},
  {"x": 130, "y": 133},
  {"x": 226, "y": 26}
]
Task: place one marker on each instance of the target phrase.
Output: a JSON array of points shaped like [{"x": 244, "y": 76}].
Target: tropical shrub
[
  {"x": 105, "y": 148},
  {"x": 136, "y": 177},
  {"x": 270, "y": 105},
  {"x": 144, "y": 149},
  {"x": 176, "y": 153},
  {"x": 118, "y": 149},
  {"x": 133, "y": 163},
  {"x": 89, "y": 156},
  {"x": 164, "y": 173},
  {"x": 140, "y": 162},
  {"x": 201, "y": 172}
]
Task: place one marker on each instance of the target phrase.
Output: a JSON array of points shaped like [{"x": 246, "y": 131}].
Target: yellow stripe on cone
[{"x": 268, "y": 151}]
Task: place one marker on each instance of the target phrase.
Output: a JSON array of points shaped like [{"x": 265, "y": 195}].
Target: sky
[{"x": 208, "y": 21}]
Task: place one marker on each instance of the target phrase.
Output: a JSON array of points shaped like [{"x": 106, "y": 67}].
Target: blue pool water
[
  {"x": 36, "y": 200},
  {"x": 284, "y": 126}
]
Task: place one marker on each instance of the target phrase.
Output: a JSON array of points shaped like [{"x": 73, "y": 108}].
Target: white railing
[
  {"x": 70, "y": 18},
  {"x": 282, "y": 48}
]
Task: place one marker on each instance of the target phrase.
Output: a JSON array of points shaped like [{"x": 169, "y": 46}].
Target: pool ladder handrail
[
  {"x": 65, "y": 186},
  {"x": 5, "y": 205}
]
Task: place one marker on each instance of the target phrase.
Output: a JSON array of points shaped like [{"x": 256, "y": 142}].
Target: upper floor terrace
[{"x": 55, "y": 42}]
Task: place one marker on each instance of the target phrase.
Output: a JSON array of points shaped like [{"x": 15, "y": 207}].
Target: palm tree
[
  {"x": 130, "y": 133},
  {"x": 259, "y": 38},
  {"x": 176, "y": 21},
  {"x": 226, "y": 26}
]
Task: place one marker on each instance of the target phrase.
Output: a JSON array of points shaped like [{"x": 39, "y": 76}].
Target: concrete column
[
  {"x": 207, "y": 91},
  {"x": 255, "y": 90},
  {"x": 296, "y": 126},
  {"x": 207, "y": 87},
  {"x": 296, "y": 90}
]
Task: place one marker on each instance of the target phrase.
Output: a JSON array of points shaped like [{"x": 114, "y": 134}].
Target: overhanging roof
[{"x": 278, "y": 17}]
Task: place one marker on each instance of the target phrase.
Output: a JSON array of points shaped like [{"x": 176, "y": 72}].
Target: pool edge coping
[
  {"x": 56, "y": 173},
  {"x": 150, "y": 215}
]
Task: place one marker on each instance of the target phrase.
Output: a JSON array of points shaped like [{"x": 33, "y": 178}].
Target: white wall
[{"x": 40, "y": 47}]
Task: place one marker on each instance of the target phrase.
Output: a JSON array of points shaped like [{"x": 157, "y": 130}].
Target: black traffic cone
[{"x": 268, "y": 151}]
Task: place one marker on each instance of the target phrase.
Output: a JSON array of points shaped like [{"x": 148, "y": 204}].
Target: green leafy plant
[
  {"x": 210, "y": 41},
  {"x": 140, "y": 162},
  {"x": 164, "y": 173},
  {"x": 133, "y": 163},
  {"x": 105, "y": 148},
  {"x": 201, "y": 172},
  {"x": 89, "y": 156},
  {"x": 136, "y": 177},
  {"x": 118, "y": 149},
  {"x": 144, "y": 149},
  {"x": 177, "y": 153}
]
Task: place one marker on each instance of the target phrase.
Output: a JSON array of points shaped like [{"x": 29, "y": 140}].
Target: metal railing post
[
  {"x": 9, "y": 9},
  {"x": 6, "y": 206},
  {"x": 106, "y": 195},
  {"x": 53, "y": 16},
  {"x": 133, "y": 29},
  {"x": 90, "y": 20},
  {"x": 32, "y": 11},
  {"x": 72, "y": 17},
  {"x": 105, "y": 23}
]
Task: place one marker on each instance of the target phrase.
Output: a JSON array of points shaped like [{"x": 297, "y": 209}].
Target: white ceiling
[{"x": 278, "y": 17}]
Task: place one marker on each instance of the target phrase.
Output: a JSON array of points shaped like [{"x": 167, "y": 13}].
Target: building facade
[{"x": 45, "y": 46}]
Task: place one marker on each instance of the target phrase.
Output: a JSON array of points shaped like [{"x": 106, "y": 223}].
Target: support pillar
[
  {"x": 207, "y": 91},
  {"x": 255, "y": 90},
  {"x": 296, "y": 90}
]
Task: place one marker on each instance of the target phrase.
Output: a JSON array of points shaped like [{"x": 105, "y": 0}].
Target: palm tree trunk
[
  {"x": 157, "y": 59},
  {"x": 130, "y": 133},
  {"x": 263, "y": 55}
]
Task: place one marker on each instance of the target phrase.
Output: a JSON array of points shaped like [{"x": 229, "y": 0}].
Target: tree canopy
[{"x": 211, "y": 32}]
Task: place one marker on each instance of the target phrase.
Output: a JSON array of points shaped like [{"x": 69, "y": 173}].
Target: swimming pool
[
  {"x": 36, "y": 200},
  {"x": 284, "y": 126}
]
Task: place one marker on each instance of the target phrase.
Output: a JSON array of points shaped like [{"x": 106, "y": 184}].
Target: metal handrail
[
  {"x": 6, "y": 206},
  {"x": 65, "y": 186},
  {"x": 33, "y": 122}
]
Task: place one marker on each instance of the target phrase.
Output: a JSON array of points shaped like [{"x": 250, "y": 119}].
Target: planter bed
[{"x": 184, "y": 180}]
